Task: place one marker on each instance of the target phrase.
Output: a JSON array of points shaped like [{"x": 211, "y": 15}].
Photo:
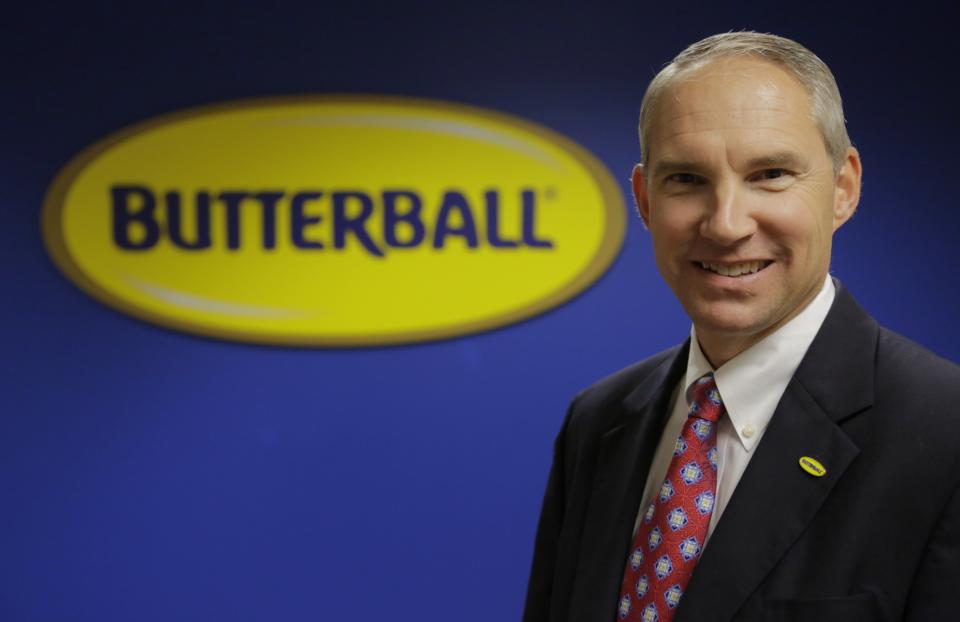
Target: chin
[{"x": 735, "y": 322}]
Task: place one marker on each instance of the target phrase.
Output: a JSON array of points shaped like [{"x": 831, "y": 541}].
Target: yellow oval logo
[
  {"x": 812, "y": 466},
  {"x": 334, "y": 220}
]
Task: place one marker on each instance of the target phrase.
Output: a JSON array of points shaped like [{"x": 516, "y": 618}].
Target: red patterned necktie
[{"x": 672, "y": 531}]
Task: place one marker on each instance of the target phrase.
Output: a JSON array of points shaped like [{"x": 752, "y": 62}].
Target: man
[{"x": 792, "y": 460}]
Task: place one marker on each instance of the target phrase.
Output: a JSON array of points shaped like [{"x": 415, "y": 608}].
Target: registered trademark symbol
[{"x": 550, "y": 193}]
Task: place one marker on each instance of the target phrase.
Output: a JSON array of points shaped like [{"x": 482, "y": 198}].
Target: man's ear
[
  {"x": 846, "y": 193},
  {"x": 640, "y": 194}
]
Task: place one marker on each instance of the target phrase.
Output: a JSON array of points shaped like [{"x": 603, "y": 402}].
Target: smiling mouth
[{"x": 734, "y": 269}]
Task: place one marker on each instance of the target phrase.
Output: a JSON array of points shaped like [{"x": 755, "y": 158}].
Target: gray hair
[{"x": 825, "y": 103}]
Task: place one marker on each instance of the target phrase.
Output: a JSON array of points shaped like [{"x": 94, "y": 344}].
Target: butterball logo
[{"x": 334, "y": 220}]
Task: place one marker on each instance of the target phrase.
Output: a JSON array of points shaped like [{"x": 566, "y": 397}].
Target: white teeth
[{"x": 737, "y": 269}]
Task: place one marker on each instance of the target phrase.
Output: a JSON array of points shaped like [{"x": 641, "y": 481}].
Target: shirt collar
[{"x": 752, "y": 382}]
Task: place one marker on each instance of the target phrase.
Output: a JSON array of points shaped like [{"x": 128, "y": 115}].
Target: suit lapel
[
  {"x": 624, "y": 456},
  {"x": 770, "y": 508},
  {"x": 775, "y": 499}
]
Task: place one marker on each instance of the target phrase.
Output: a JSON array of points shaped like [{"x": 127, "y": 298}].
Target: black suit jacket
[{"x": 876, "y": 538}]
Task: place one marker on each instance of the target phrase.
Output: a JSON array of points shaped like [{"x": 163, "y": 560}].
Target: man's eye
[
  {"x": 685, "y": 178},
  {"x": 771, "y": 173},
  {"x": 773, "y": 179}
]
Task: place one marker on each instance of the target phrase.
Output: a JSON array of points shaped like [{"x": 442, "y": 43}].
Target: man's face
[{"x": 741, "y": 199}]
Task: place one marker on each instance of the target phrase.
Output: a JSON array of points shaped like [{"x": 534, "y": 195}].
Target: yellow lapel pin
[{"x": 812, "y": 466}]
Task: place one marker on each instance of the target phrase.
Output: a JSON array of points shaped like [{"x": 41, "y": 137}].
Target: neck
[{"x": 721, "y": 348}]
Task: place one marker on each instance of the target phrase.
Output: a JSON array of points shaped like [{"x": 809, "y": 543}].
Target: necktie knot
[{"x": 704, "y": 398}]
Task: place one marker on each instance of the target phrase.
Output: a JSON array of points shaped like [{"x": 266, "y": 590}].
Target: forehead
[{"x": 739, "y": 103}]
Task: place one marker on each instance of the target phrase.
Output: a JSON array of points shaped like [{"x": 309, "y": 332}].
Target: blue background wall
[{"x": 150, "y": 475}]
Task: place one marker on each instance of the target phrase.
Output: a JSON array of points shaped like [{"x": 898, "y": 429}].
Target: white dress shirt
[{"x": 750, "y": 385}]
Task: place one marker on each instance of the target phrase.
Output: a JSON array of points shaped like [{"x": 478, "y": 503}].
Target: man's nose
[{"x": 729, "y": 218}]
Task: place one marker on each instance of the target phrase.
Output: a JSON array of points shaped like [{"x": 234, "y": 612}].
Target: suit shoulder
[
  {"x": 602, "y": 399},
  {"x": 914, "y": 396},
  {"x": 908, "y": 368}
]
